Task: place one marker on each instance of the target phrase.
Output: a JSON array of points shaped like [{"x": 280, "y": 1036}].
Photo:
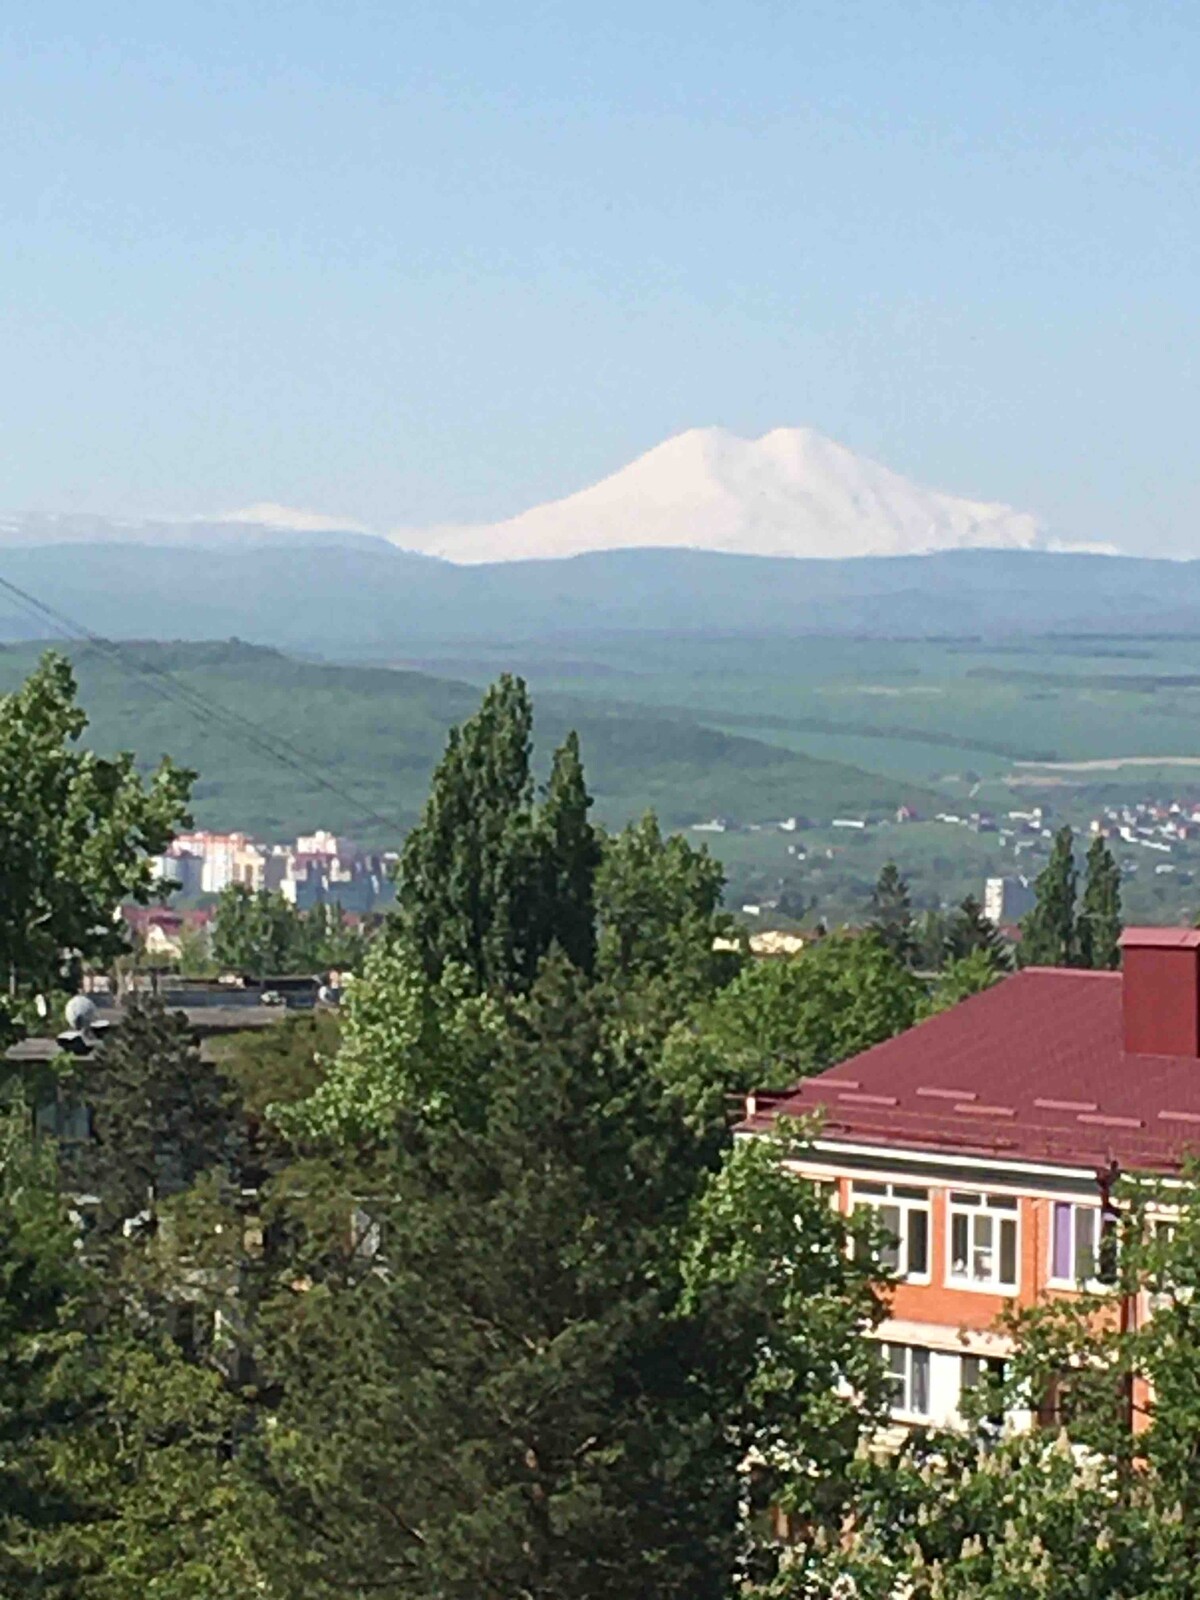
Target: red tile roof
[{"x": 1033, "y": 1069}]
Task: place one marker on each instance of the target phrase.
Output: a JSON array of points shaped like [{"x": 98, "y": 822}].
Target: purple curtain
[{"x": 1062, "y": 1266}]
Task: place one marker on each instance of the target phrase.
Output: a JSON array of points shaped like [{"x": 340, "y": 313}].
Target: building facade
[{"x": 989, "y": 1139}]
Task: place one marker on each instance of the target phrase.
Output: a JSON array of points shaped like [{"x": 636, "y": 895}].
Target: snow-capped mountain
[{"x": 791, "y": 493}]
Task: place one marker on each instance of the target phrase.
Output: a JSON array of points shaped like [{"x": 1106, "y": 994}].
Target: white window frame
[
  {"x": 914, "y": 1357},
  {"x": 877, "y": 1193},
  {"x": 1075, "y": 1280},
  {"x": 1000, "y": 1208}
]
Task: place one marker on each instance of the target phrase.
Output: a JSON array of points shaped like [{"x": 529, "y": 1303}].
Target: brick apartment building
[{"x": 989, "y": 1137}]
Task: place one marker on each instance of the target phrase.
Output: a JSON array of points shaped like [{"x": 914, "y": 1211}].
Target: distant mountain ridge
[
  {"x": 36, "y": 529},
  {"x": 792, "y": 492},
  {"x": 367, "y": 600}
]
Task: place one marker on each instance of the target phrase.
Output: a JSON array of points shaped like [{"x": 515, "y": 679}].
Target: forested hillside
[{"x": 363, "y": 742}]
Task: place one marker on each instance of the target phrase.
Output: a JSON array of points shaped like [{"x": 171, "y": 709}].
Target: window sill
[{"x": 973, "y": 1286}]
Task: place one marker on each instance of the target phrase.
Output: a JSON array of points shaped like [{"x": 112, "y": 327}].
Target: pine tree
[
  {"x": 1099, "y": 927},
  {"x": 41, "y": 1290},
  {"x": 161, "y": 1115},
  {"x": 1048, "y": 935},
  {"x": 528, "y": 1398},
  {"x": 891, "y": 914},
  {"x": 970, "y": 931}
]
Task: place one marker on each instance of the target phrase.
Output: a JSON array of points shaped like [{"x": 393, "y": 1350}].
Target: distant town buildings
[{"x": 318, "y": 869}]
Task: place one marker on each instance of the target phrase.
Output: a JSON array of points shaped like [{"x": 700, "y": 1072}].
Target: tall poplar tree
[
  {"x": 1099, "y": 922},
  {"x": 488, "y": 880},
  {"x": 1048, "y": 933},
  {"x": 572, "y": 852}
]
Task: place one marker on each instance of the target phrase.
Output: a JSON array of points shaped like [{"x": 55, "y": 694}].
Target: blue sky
[{"x": 419, "y": 263}]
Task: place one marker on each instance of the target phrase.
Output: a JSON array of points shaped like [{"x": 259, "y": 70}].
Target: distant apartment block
[
  {"x": 1007, "y": 900},
  {"x": 319, "y": 869}
]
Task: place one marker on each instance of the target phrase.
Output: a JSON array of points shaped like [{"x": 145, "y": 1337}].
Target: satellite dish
[{"x": 80, "y": 1013}]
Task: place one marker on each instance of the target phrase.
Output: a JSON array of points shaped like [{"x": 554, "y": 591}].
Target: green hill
[{"x": 374, "y": 734}]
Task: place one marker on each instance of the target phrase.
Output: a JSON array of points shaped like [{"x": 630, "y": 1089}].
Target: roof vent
[{"x": 1160, "y": 991}]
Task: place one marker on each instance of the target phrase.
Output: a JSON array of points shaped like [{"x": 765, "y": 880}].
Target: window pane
[
  {"x": 903, "y": 1193},
  {"x": 869, "y": 1188},
  {"x": 970, "y": 1374},
  {"x": 890, "y": 1252},
  {"x": 918, "y": 1241},
  {"x": 1008, "y": 1250},
  {"x": 960, "y": 1198},
  {"x": 894, "y": 1356},
  {"x": 958, "y": 1246},
  {"x": 983, "y": 1265},
  {"x": 1085, "y": 1243},
  {"x": 1061, "y": 1265},
  {"x": 919, "y": 1399},
  {"x": 1002, "y": 1202}
]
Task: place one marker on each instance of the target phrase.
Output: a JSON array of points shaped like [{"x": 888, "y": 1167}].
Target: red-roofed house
[{"x": 989, "y": 1135}]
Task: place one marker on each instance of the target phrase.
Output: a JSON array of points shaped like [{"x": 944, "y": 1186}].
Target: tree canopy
[{"x": 77, "y": 831}]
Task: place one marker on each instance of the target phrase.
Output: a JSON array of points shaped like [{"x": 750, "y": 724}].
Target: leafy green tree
[
  {"x": 849, "y": 992},
  {"x": 790, "y": 1288},
  {"x": 962, "y": 977},
  {"x": 1029, "y": 1517},
  {"x": 409, "y": 1045},
  {"x": 891, "y": 914},
  {"x": 1048, "y": 932},
  {"x": 195, "y": 953},
  {"x": 779, "y": 1021},
  {"x": 971, "y": 931},
  {"x": 257, "y": 932},
  {"x": 76, "y": 834},
  {"x": 658, "y": 903},
  {"x": 1099, "y": 922}
]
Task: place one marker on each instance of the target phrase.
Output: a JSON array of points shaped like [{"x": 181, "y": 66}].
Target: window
[
  {"x": 907, "y": 1369},
  {"x": 979, "y": 1372},
  {"x": 1074, "y": 1238},
  {"x": 983, "y": 1240},
  {"x": 904, "y": 1213}
]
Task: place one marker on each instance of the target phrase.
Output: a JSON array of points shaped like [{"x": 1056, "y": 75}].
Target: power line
[{"x": 160, "y": 681}]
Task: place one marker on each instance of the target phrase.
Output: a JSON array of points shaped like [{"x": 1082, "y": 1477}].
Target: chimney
[{"x": 1160, "y": 991}]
